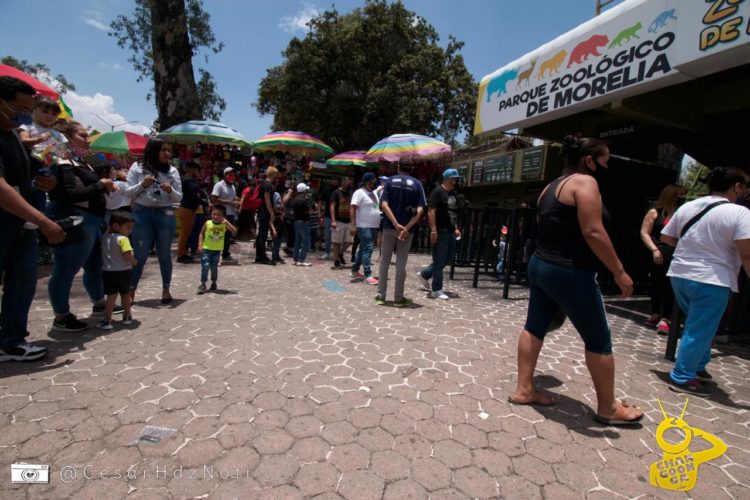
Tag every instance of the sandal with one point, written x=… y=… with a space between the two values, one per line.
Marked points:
x=535 y=401
x=617 y=419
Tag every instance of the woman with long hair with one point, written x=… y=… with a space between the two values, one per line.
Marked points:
x=572 y=245
x=79 y=192
x=662 y=298
x=156 y=187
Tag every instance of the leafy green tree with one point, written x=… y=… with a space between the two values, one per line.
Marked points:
x=40 y=72
x=356 y=78
x=691 y=176
x=163 y=37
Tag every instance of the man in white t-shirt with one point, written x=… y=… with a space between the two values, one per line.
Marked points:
x=225 y=194
x=365 y=221
x=704 y=270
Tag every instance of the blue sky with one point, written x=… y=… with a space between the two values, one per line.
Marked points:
x=71 y=38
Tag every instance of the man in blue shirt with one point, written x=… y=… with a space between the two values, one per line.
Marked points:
x=402 y=202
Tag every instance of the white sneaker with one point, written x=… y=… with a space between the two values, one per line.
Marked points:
x=425 y=283
x=304 y=264
x=439 y=295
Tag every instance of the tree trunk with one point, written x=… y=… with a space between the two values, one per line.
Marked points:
x=174 y=80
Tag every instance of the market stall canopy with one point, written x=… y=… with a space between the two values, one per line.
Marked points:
x=40 y=87
x=204 y=132
x=399 y=147
x=119 y=142
x=293 y=142
x=353 y=158
x=633 y=48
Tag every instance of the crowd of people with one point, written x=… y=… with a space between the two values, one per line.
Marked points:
x=107 y=222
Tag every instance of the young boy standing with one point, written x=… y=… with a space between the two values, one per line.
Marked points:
x=117 y=265
x=211 y=244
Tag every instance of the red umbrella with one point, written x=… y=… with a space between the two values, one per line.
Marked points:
x=38 y=86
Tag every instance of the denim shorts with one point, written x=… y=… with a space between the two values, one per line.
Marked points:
x=555 y=287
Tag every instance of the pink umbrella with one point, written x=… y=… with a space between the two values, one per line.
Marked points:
x=38 y=86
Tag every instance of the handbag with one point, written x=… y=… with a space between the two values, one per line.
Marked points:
x=73 y=228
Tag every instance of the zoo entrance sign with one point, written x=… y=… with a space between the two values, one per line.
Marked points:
x=635 y=47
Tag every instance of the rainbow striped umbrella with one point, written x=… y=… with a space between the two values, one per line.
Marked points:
x=202 y=131
x=119 y=142
x=296 y=142
x=407 y=147
x=355 y=158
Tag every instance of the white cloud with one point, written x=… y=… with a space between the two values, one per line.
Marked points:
x=86 y=107
x=97 y=24
x=111 y=66
x=298 y=22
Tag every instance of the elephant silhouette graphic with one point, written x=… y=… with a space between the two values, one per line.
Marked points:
x=552 y=64
x=499 y=83
x=587 y=48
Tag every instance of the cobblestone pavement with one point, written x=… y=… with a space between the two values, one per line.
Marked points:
x=283 y=387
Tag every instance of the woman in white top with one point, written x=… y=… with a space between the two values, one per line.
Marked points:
x=704 y=270
x=156 y=188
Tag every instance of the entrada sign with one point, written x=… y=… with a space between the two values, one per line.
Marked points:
x=637 y=46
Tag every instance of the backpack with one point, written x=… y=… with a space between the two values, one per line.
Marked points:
x=253 y=202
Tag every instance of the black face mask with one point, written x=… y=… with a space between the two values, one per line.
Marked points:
x=601 y=174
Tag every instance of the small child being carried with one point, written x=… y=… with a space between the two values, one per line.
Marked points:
x=117 y=265
x=211 y=244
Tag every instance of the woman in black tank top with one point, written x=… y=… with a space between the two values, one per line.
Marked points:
x=662 y=296
x=572 y=245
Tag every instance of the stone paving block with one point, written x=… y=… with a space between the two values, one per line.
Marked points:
x=431 y=474
x=350 y=457
x=475 y=482
x=495 y=463
x=361 y=485
x=338 y=432
x=452 y=454
x=276 y=470
x=517 y=487
x=317 y=478
x=412 y=446
x=404 y=489
x=272 y=442
x=389 y=465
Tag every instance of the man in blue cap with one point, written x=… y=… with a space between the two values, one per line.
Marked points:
x=442 y=219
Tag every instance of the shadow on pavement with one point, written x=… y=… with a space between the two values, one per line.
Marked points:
x=156 y=303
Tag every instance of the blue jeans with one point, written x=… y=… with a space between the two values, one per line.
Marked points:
x=18 y=263
x=704 y=305
x=210 y=260
x=367 y=237
x=301 y=240
x=153 y=225
x=442 y=254
x=192 y=242
x=69 y=259
x=327 y=235
x=554 y=287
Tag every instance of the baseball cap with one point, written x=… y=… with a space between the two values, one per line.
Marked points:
x=369 y=176
x=302 y=187
x=450 y=173
x=228 y=170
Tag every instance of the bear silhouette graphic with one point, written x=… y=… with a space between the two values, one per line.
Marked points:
x=626 y=34
x=498 y=83
x=587 y=48
x=661 y=20
x=552 y=64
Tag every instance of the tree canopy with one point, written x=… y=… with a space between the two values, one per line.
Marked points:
x=356 y=78
x=40 y=72
x=163 y=36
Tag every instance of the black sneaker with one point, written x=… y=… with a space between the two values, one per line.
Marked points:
x=69 y=324
x=213 y=287
x=279 y=261
x=266 y=262
x=201 y=289
x=98 y=310
x=22 y=352
x=185 y=259
x=336 y=264
x=127 y=319
x=703 y=375
x=691 y=387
